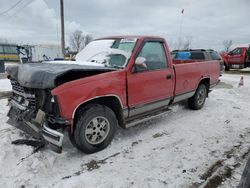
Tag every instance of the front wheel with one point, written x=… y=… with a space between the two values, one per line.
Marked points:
x=198 y=100
x=95 y=129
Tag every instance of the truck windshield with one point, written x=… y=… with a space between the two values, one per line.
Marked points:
x=110 y=52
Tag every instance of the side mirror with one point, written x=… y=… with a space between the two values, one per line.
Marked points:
x=140 y=62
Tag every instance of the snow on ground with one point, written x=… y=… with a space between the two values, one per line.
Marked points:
x=5 y=85
x=175 y=150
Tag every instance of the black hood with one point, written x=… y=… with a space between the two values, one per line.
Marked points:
x=46 y=75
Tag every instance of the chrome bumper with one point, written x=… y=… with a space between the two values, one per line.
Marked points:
x=52 y=136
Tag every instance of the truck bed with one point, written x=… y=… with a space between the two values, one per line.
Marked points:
x=188 y=75
x=179 y=61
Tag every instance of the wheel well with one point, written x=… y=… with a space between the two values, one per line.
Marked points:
x=110 y=101
x=206 y=82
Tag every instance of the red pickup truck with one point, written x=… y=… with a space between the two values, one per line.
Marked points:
x=237 y=58
x=116 y=81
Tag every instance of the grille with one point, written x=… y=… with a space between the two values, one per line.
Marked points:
x=22 y=95
x=17 y=87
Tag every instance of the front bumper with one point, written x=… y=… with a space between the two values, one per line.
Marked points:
x=52 y=136
x=19 y=117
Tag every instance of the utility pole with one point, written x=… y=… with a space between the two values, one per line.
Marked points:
x=62 y=28
x=180 y=32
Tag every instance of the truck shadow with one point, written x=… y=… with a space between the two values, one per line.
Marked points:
x=223 y=85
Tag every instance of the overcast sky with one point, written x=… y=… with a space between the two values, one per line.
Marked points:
x=207 y=22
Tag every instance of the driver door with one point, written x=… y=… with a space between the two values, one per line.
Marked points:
x=235 y=56
x=152 y=87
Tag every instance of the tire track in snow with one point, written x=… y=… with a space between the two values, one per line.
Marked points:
x=223 y=169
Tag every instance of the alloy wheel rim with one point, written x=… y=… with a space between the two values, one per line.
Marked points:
x=97 y=130
x=201 y=96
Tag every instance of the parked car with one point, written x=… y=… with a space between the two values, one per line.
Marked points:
x=193 y=55
x=135 y=81
x=237 y=58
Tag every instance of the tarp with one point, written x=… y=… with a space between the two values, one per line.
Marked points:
x=44 y=75
x=183 y=55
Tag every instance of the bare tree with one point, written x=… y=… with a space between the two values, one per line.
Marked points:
x=87 y=39
x=78 y=41
x=178 y=44
x=227 y=44
x=183 y=43
x=187 y=42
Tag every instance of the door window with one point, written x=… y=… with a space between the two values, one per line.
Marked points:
x=155 y=56
x=236 y=51
x=197 y=55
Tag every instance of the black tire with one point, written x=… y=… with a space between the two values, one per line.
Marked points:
x=245 y=179
x=245 y=64
x=226 y=67
x=77 y=117
x=198 y=100
x=101 y=123
x=72 y=139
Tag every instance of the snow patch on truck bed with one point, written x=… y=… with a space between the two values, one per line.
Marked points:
x=171 y=151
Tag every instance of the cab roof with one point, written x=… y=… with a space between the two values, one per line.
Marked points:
x=132 y=36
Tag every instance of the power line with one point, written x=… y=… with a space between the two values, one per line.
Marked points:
x=23 y=7
x=13 y=6
x=19 y=10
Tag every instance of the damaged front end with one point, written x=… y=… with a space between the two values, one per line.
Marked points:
x=32 y=107
x=35 y=111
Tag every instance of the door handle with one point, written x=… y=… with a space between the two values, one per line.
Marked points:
x=169 y=76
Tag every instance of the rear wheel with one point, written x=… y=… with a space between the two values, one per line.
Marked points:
x=198 y=100
x=226 y=67
x=246 y=64
x=95 y=129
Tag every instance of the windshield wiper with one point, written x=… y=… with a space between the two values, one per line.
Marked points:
x=115 y=66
